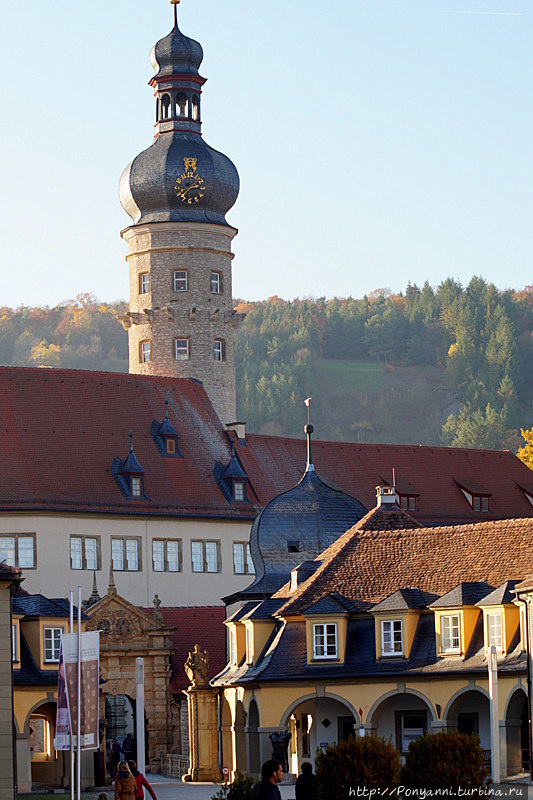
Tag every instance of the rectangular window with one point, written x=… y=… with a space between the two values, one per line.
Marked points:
x=145 y=351
x=18 y=550
x=52 y=641
x=450 y=638
x=391 y=637
x=233 y=647
x=410 y=726
x=14 y=648
x=249 y=644
x=494 y=622
x=136 y=487
x=523 y=626
x=126 y=554
x=216 y=282
x=144 y=282
x=85 y=552
x=205 y=556
x=219 y=350
x=325 y=640
x=166 y=555
x=238 y=491
x=171 y=447
x=242 y=559
x=408 y=502
x=181 y=280
x=181 y=349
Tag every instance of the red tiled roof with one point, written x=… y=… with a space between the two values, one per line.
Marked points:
x=275 y=464
x=367 y=566
x=203 y=625
x=61 y=429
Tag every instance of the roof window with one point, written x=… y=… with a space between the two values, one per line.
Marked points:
x=166 y=437
x=129 y=475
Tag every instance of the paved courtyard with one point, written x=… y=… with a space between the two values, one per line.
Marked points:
x=170 y=789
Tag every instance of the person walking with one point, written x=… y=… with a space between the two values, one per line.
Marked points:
x=271 y=775
x=128 y=747
x=125 y=784
x=140 y=781
x=114 y=757
x=306 y=783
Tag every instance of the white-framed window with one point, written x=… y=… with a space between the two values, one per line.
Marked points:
x=233 y=646
x=145 y=351
x=180 y=280
x=523 y=627
x=494 y=625
x=249 y=644
x=126 y=554
x=450 y=634
x=18 y=550
x=166 y=555
x=85 y=552
x=325 y=640
x=136 y=486
x=219 y=350
x=239 y=494
x=242 y=559
x=52 y=642
x=181 y=349
x=205 y=556
x=144 y=282
x=216 y=282
x=14 y=643
x=391 y=637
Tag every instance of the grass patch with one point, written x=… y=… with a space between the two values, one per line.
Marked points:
x=342 y=375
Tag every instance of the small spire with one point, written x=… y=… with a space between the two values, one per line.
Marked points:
x=175 y=3
x=131 y=441
x=308 y=429
x=166 y=409
x=95 y=597
x=111 y=589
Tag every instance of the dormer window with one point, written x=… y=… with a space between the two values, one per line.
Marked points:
x=478 y=499
x=232 y=479
x=391 y=637
x=129 y=475
x=450 y=634
x=171 y=447
x=325 y=640
x=293 y=546
x=409 y=502
x=136 y=486
x=166 y=436
x=239 y=494
x=494 y=625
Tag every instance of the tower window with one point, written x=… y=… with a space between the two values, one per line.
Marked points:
x=181 y=281
x=144 y=282
x=182 y=105
x=219 y=350
x=195 y=108
x=145 y=352
x=165 y=107
x=216 y=282
x=182 y=351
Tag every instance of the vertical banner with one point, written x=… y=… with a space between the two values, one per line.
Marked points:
x=90 y=681
x=62 y=739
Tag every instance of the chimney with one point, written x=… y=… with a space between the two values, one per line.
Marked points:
x=386 y=497
x=239 y=428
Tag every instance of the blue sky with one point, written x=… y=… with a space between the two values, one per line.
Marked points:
x=378 y=141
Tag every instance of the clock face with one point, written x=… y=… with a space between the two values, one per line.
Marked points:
x=189 y=186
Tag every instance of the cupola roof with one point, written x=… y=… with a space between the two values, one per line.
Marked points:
x=176 y=54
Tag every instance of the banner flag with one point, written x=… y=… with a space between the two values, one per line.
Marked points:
x=62 y=738
x=90 y=682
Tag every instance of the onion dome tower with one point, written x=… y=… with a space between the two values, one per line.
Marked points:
x=177 y=192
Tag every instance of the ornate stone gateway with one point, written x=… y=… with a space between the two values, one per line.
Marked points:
x=203 y=719
x=127 y=633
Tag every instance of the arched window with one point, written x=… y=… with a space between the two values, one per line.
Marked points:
x=165 y=107
x=182 y=105
x=195 y=107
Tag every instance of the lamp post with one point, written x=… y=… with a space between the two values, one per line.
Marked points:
x=494 y=716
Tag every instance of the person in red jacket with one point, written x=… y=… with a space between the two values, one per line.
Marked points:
x=141 y=781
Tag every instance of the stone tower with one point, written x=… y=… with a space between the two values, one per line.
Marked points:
x=181 y=319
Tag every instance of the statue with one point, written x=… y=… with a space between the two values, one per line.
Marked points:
x=280 y=744
x=158 y=614
x=197 y=666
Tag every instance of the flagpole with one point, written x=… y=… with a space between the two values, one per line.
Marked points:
x=71 y=631
x=78 y=776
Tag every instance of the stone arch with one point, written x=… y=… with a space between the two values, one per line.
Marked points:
x=288 y=711
x=458 y=694
x=240 y=737
x=517 y=731
x=468 y=712
x=42 y=702
x=401 y=717
x=254 y=757
x=226 y=724
x=395 y=693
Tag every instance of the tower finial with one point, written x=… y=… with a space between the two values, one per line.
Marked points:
x=308 y=431
x=175 y=3
x=111 y=589
x=131 y=441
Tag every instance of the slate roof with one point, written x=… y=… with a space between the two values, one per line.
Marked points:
x=468 y=593
x=29 y=673
x=368 y=566
x=86 y=417
x=37 y=605
x=404 y=599
x=201 y=625
x=503 y=595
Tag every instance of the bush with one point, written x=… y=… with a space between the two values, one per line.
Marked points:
x=242 y=788
x=444 y=760
x=357 y=761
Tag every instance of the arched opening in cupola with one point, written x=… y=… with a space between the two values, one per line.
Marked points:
x=195 y=107
x=182 y=105
x=165 y=106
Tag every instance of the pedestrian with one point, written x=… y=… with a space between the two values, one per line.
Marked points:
x=271 y=775
x=128 y=747
x=306 y=783
x=125 y=784
x=114 y=757
x=103 y=796
x=141 y=781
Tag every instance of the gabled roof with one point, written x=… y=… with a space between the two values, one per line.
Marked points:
x=468 y=593
x=327 y=605
x=404 y=599
x=368 y=566
x=29 y=674
x=503 y=595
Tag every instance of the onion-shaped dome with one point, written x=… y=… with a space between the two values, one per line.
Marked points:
x=176 y=54
x=158 y=187
x=295 y=527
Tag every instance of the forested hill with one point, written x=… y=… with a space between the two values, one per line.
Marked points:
x=450 y=365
